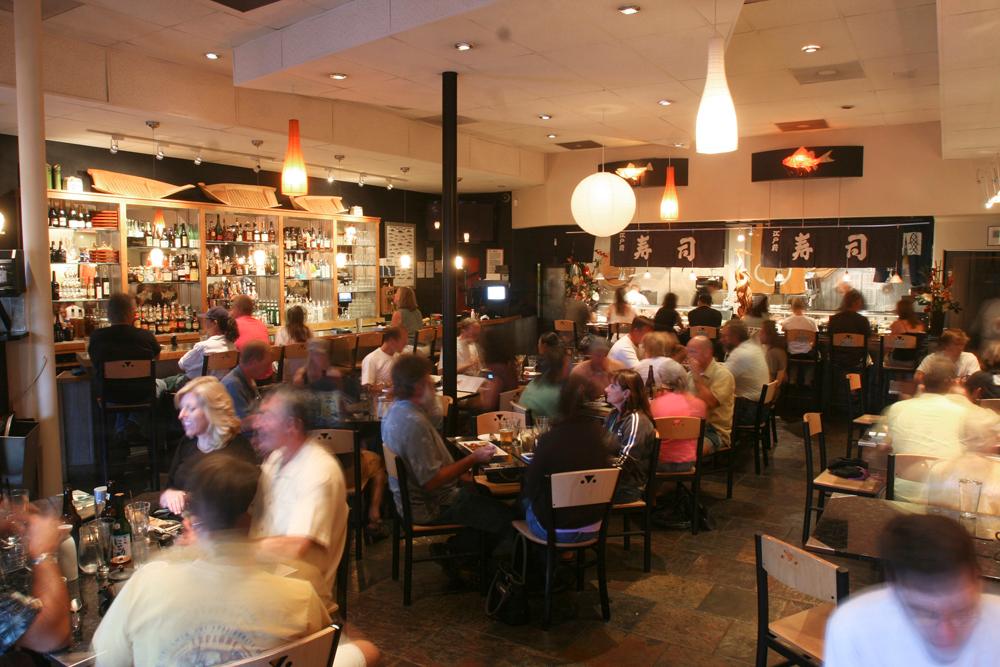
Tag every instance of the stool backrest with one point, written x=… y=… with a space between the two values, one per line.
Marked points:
x=129 y=369
x=565 y=326
x=217 y=362
x=337 y=441
x=706 y=331
x=899 y=342
x=800 y=336
x=368 y=342
x=849 y=340
x=771 y=392
x=583 y=487
x=507 y=398
x=854 y=381
x=317 y=649
x=489 y=422
x=426 y=335
x=342 y=349
x=293 y=358
x=800 y=570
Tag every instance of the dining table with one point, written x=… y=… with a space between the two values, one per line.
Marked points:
x=851 y=526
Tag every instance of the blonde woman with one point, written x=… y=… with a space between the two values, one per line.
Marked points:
x=407 y=313
x=211 y=427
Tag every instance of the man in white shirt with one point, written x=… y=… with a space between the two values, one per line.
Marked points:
x=301 y=507
x=467 y=348
x=799 y=321
x=932 y=612
x=951 y=347
x=216 y=601
x=626 y=349
x=376 y=367
x=636 y=298
x=747 y=363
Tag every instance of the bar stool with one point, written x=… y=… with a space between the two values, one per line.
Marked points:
x=368 y=342
x=343 y=352
x=132 y=378
x=900 y=359
x=424 y=338
x=804 y=362
x=293 y=357
x=847 y=353
x=219 y=363
x=567 y=331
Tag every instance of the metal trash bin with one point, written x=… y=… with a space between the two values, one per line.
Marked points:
x=19 y=451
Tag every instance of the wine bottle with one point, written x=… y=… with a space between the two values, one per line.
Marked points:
x=185 y=243
x=53 y=217
x=63 y=221
x=107 y=284
x=55 y=287
x=69 y=514
x=121 y=534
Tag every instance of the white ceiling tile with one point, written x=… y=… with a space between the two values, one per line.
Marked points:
x=909 y=99
x=439 y=38
x=540 y=27
x=683 y=56
x=776 y=13
x=156 y=11
x=99 y=25
x=905 y=71
x=855 y=7
x=973 y=39
x=282 y=14
x=833 y=36
x=224 y=27
x=612 y=64
x=894 y=32
x=911 y=116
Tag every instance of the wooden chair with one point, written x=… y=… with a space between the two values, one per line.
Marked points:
x=346 y=444
x=847 y=353
x=136 y=379
x=708 y=332
x=524 y=411
x=825 y=482
x=447 y=404
x=991 y=403
x=911 y=468
x=489 y=422
x=319 y=648
x=567 y=332
x=804 y=364
x=643 y=506
x=618 y=329
x=424 y=341
x=760 y=430
x=343 y=352
x=566 y=491
x=507 y=398
x=436 y=345
x=685 y=428
x=369 y=341
x=860 y=420
x=900 y=358
x=404 y=528
x=219 y=363
x=293 y=357
x=799 y=637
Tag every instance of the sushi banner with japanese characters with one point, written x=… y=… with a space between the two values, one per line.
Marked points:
x=678 y=247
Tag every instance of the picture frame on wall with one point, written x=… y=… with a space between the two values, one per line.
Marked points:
x=993 y=235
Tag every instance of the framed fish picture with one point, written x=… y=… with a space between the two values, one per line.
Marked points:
x=993 y=235
x=808 y=162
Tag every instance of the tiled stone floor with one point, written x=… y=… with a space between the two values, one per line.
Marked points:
x=697 y=606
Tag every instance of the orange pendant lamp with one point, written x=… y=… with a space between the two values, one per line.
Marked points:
x=294 y=179
x=669 y=206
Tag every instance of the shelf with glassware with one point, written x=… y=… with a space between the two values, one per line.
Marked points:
x=84 y=249
x=163 y=270
x=357 y=269
x=308 y=249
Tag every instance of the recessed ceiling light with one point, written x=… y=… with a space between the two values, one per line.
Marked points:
x=664 y=103
x=463 y=46
x=338 y=76
x=550 y=136
x=846 y=107
x=545 y=116
x=811 y=48
x=628 y=10
x=826 y=72
x=212 y=55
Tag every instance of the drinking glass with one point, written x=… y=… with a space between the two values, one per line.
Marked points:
x=968 y=497
x=104 y=536
x=91 y=555
x=137 y=514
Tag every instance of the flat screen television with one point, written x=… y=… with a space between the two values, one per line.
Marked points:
x=344 y=297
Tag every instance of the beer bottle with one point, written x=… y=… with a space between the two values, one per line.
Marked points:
x=121 y=534
x=69 y=514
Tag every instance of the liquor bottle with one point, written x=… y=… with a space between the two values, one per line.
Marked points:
x=209 y=230
x=185 y=242
x=256 y=233
x=88 y=221
x=220 y=234
x=148 y=238
x=271 y=237
x=63 y=221
x=194 y=275
x=61 y=253
x=52 y=252
x=107 y=284
x=53 y=217
x=175 y=235
x=121 y=534
x=98 y=287
x=69 y=514
x=55 y=287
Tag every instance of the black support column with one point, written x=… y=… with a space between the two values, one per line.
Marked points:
x=449 y=227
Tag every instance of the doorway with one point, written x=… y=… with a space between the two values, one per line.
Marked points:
x=977 y=283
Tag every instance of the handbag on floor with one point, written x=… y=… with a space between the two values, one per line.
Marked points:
x=507 y=599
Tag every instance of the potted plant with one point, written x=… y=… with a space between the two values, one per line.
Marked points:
x=937 y=300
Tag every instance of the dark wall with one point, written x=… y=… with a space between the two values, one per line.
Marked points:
x=548 y=246
x=396 y=205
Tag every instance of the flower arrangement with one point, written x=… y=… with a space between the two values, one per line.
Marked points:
x=579 y=279
x=937 y=298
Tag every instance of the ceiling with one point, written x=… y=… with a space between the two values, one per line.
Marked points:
x=598 y=73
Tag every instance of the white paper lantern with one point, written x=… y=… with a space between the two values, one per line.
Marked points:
x=603 y=204
x=715 y=127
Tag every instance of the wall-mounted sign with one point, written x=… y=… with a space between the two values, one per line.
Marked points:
x=674 y=247
x=823 y=244
x=649 y=172
x=808 y=162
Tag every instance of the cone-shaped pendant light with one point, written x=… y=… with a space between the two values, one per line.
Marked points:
x=294 y=180
x=715 y=127
x=669 y=206
x=159 y=221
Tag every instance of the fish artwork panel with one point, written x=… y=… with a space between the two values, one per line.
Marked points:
x=805 y=161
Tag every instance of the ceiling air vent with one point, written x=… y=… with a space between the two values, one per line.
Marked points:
x=245 y=5
x=579 y=145
x=824 y=73
x=799 y=125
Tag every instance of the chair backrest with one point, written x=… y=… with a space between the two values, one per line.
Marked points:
x=395 y=468
x=367 y=342
x=914 y=467
x=854 y=381
x=565 y=326
x=770 y=393
x=583 y=487
x=335 y=440
x=813 y=421
x=317 y=649
x=618 y=329
x=848 y=340
x=293 y=358
x=426 y=335
x=904 y=388
x=507 y=398
x=277 y=353
x=128 y=369
x=899 y=342
x=446 y=402
x=342 y=349
x=800 y=570
x=683 y=428
x=489 y=422
x=991 y=403
x=219 y=361
x=800 y=336
x=812 y=427
x=706 y=331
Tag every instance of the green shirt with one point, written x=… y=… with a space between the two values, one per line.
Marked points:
x=541 y=397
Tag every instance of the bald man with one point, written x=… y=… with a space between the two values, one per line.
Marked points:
x=713 y=383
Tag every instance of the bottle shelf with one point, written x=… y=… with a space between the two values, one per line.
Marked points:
x=166 y=282
x=222 y=243
x=154 y=247
x=75 y=300
x=84 y=263
x=251 y=275
x=86 y=230
x=310 y=280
